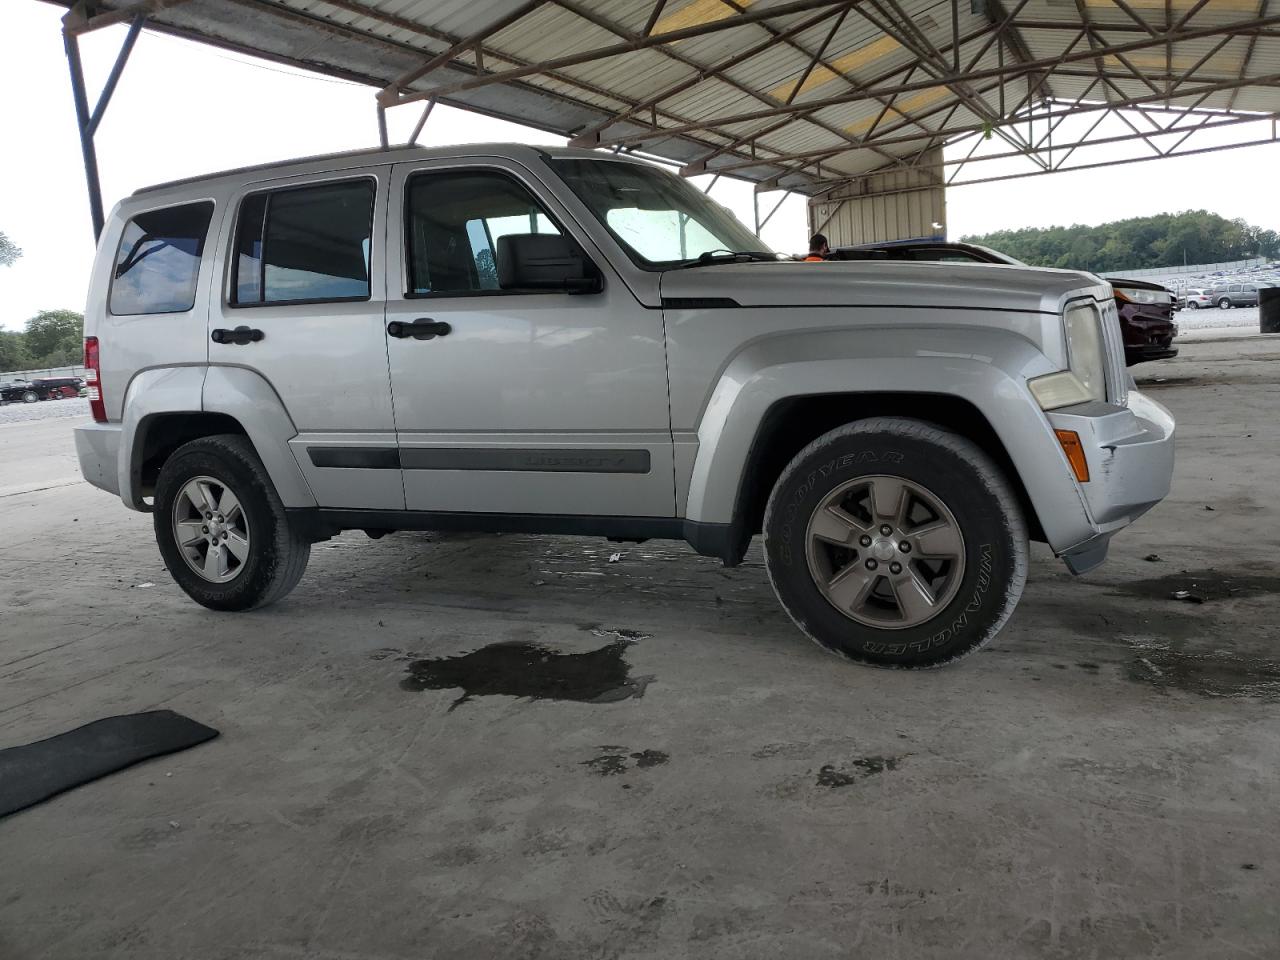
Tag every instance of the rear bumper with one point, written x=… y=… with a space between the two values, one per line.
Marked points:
x=98 y=449
x=1130 y=457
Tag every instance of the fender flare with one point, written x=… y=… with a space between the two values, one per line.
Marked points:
x=989 y=371
x=240 y=394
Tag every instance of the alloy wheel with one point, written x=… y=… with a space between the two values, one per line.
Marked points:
x=211 y=529
x=885 y=551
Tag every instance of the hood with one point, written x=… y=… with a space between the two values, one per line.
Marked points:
x=884 y=283
x=1136 y=284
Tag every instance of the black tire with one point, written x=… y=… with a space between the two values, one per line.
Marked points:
x=277 y=553
x=1224 y=303
x=30 y=397
x=960 y=475
x=1193 y=305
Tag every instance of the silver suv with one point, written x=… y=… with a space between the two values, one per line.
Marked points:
x=503 y=338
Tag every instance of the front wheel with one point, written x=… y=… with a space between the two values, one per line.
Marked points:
x=221 y=528
x=1193 y=305
x=896 y=543
x=1224 y=304
x=30 y=397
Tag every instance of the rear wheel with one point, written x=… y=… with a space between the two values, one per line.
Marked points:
x=896 y=543
x=1193 y=305
x=221 y=528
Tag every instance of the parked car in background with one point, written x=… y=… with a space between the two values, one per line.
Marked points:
x=57 y=388
x=19 y=391
x=1194 y=298
x=1234 y=295
x=1145 y=309
x=42 y=388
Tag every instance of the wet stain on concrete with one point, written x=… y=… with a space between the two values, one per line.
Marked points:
x=532 y=671
x=857 y=769
x=1206 y=584
x=615 y=760
x=1157 y=383
x=1211 y=674
x=614 y=633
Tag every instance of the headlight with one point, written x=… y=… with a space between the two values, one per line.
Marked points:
x=1085 y=378
x=1138 y=295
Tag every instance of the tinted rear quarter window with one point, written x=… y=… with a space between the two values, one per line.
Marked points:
x=158 y=260
x=304 y=244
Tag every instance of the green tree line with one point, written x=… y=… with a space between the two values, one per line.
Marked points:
x=52 y=338
x=1165 y=240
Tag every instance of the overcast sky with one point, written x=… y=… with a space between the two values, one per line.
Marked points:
x=183 y=109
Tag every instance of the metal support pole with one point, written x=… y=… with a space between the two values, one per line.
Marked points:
x=72 y=46
x=422 y=122
x=776 y=207
x=755 y=207
x=108 y=88
x=707 y=188
x=382 y=127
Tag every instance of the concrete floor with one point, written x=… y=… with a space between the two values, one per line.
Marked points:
x=1101 y=782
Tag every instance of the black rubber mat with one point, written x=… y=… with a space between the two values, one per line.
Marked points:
x=37 y=771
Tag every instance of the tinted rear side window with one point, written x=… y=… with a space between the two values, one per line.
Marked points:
x=158 y=260
x=304 y=244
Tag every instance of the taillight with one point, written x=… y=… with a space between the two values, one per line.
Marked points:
x=92 y=366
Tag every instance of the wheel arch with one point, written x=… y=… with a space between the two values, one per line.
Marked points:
x=165 y=408
x=792 y=423
x=762 y=413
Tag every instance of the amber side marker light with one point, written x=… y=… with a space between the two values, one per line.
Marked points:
x=1074 y=450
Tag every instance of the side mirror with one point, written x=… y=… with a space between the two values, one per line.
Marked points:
x=544 y=261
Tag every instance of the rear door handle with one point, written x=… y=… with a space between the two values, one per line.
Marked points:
x=239 y=336
x=424 y=328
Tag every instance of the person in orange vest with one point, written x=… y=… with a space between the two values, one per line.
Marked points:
x=818 y=249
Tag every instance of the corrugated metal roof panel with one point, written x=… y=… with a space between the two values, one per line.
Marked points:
x=836 y=87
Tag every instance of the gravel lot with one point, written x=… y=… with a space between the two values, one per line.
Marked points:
x=1217 y=319
x=44 y=410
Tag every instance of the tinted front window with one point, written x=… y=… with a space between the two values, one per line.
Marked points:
x=304 y=243
x=158 y=260
x=659 y=218
x=453 y=222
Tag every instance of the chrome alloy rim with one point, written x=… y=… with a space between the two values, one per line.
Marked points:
x=211 y=530
x=885 y=551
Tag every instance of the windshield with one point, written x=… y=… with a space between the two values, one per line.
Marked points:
x=660 y=219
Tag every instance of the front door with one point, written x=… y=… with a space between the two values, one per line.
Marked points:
x=306 y=271
x=533 y=402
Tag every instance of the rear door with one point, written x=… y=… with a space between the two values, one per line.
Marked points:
x=535 y=402
x=305 y=270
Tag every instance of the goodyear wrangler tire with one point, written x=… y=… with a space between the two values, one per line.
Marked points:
x=896 y=543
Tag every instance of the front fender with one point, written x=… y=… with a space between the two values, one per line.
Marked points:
x=987 y=368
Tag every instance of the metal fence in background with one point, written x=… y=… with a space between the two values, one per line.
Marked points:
x=1178 y=277
x=11 y=375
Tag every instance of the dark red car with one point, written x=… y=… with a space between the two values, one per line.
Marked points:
x=1146 y=309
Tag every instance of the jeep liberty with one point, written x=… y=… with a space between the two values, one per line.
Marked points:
x=507 y=338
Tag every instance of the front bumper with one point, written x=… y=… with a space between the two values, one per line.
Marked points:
x=1130 y=455
x=98 y=449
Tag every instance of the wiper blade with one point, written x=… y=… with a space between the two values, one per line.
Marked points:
x=728 y=256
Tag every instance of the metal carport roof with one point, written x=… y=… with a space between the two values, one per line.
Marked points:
x=794 y=94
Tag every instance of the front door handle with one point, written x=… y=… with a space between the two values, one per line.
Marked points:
x=239 y=336
x=424 y=328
